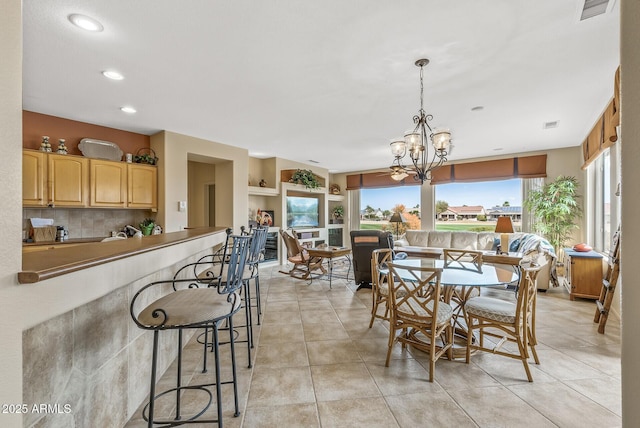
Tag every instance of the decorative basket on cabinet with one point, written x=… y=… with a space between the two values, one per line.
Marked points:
x=146 y=155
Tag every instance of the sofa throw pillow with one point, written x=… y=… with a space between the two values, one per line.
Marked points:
x=401 y=243
x=496 y=242
x=513 y=245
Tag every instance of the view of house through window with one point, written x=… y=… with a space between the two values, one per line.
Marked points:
x=476 y=206
x=459 y=206
x=378 y=205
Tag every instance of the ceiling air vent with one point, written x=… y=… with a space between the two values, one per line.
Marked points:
x=549 y=125
x=593 y=8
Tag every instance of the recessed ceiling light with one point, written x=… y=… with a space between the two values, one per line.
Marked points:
x=313 y=161
x=128 y=109
x=549 y=125
x=498 y=149
x=477 y=108
x=113 y=75
x=85 y=22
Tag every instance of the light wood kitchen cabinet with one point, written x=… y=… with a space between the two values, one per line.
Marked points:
x=108 y=182
x=33 y=179
x=142 y=186
x=68 y=180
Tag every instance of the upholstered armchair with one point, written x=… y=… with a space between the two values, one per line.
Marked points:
x=363 y=242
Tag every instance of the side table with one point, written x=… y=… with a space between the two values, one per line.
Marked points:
x=583 y=276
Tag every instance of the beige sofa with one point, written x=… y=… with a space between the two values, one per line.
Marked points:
x=533 y=247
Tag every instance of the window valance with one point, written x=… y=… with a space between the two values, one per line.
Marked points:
x=603 y=134
x=500 y=169
x=372 y=180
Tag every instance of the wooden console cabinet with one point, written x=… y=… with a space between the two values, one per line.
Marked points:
x=583 y=274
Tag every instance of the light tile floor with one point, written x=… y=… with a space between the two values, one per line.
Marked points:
x=317 y=364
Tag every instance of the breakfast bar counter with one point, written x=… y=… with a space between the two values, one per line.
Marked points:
x=40 y=265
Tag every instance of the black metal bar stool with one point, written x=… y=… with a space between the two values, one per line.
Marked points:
x=195 y=304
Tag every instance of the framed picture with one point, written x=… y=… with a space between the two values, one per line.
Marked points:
x=266 y=217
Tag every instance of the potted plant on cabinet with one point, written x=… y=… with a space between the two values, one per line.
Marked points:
x=306 y=177
x=147 y=225
x=338 y=214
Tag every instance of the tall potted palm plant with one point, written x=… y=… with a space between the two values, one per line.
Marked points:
x=555 y=209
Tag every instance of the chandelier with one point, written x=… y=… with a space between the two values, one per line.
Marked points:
x=417 y=144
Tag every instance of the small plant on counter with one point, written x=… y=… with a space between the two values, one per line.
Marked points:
x=147 y=226
x=306 y=177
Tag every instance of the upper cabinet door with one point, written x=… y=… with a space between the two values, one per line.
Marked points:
x=33 y=179
x=68 y=180
x=143 y=186
x=108 y=183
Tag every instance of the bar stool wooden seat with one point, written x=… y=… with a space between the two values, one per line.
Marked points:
x=194 y=305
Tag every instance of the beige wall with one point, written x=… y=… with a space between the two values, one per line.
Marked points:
x=11 y=196
x=230 y=178
x=630 y=84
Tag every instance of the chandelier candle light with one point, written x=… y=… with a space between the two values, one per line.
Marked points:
x=417 y=143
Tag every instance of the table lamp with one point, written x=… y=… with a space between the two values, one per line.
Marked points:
x=504 y=227
x=397 y=218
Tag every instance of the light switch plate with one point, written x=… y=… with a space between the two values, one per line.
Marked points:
x=182 y=206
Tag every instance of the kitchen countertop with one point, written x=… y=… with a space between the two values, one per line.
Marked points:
x=68 y=241
x=40 y=265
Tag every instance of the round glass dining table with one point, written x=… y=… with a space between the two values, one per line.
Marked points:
x=460 y=281
x=463 y=274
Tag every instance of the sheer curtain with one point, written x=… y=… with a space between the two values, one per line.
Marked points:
x=353 y=197
x=529 y=185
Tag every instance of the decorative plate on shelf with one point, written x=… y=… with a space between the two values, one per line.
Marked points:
x=99 y=149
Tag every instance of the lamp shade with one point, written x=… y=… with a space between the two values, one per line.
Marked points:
x=397 y=218
x=504 y=225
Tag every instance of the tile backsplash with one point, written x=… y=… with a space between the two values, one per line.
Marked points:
x=86 y=223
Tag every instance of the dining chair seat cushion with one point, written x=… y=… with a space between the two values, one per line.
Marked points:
x=415 y=312
x=383 y=289
x=491 y=308
x=188 y=307
x=461 y=290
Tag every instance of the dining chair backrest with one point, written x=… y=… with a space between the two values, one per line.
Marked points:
x=525 y=305
x=415 y=293
x=236 y=258
x=379 y=259
x=454 y=256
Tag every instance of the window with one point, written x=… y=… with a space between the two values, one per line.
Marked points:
x=377 y=206
x=476 y=206
x=602 y=201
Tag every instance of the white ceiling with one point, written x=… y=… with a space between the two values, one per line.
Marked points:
x=332 y=80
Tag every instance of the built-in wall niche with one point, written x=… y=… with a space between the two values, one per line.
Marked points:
x=262 y=173
x=261 y=204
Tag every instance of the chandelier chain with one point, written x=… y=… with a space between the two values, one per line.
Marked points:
x=421 y=91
